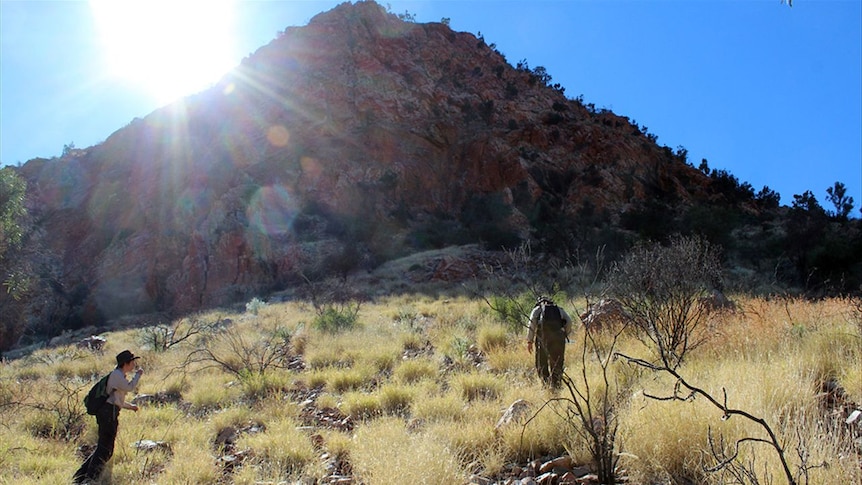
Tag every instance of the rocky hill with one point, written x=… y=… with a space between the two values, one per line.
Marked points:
x=338 y=146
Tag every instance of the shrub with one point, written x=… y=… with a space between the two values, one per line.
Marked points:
x=161 y=337
x=513 y=311
x=255 y=305
x=239 y=352
x=333 y=320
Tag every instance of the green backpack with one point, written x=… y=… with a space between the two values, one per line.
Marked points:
x=98 y=396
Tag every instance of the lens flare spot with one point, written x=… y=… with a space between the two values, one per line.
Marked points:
x=229 y=89
x=310 y=167
x=278 y=136
x=271 y=211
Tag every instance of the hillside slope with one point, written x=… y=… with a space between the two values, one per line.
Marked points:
x=338 y=146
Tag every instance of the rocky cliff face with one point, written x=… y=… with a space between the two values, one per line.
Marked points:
x=354 y=139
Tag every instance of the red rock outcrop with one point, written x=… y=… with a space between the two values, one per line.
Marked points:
x=326 y=148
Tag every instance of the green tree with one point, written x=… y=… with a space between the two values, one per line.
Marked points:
x=807 y=203
x=12 y=214
x=768 y=198
x=12 y=210
x=842 y=202
x=68 y=149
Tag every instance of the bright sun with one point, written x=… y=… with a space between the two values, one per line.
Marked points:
x=170 y=48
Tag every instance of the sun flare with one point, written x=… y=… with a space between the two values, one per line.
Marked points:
x=169 y=48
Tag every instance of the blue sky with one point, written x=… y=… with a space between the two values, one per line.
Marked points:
x=773 y=94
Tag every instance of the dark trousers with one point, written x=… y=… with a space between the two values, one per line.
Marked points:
x=107 y=417
x=550 y=353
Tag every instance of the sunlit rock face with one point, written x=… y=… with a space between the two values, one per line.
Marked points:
x=341 y=144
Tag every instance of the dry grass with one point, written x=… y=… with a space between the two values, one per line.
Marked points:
x=411 y=405
x=385 y=446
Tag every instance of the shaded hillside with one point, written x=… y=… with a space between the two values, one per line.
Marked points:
x=340 y=145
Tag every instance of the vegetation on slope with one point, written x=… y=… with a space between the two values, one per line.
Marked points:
x=411 y=392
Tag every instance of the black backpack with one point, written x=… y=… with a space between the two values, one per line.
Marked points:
x=551 y=316
x=98 y=396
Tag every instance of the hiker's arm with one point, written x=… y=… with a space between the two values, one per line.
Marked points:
x=531 y=332
x=124 y=385
x=566 y=318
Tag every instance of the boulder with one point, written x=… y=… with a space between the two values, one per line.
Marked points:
x=604 y=314
x=516 y=412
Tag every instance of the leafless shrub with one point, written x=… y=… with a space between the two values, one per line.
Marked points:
x=243 y=354
x=510 y=285
x=61 y=409
x=659 y=286
x=336 y=303
x=162 y=337
x=591 y=406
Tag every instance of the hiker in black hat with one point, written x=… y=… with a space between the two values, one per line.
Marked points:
x=107 y=415
x=549 y=329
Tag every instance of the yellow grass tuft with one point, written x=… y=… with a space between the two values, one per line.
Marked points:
x=414 y=370
x=282 y=450
x=492 y=337
x=192 y=463
x=340 y=380
x=448 y=407
x=361 y=405
x=211 y=390
x=382 y=444
x=396 y=398
x=476 y=385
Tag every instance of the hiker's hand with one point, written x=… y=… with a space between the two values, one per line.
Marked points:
x=139 y=371
x=134 y=407
x=529 y=346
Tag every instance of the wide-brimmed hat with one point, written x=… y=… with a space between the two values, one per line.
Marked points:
x=125 y=357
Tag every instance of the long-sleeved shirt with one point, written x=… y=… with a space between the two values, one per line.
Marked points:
x=536 y=314
x=118 y=387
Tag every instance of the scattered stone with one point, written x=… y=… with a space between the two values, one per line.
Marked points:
x=591 y=479
x=156 y=399
x=514 y=413
x=93 y=342
x=562 y=463
x=568 y=478
x=547 y=478
x=479 y=480
x=229 y=461
x=150 y=445
x=227 y=436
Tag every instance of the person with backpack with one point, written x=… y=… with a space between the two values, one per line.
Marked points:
x=549 y=329
x=107 y=415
